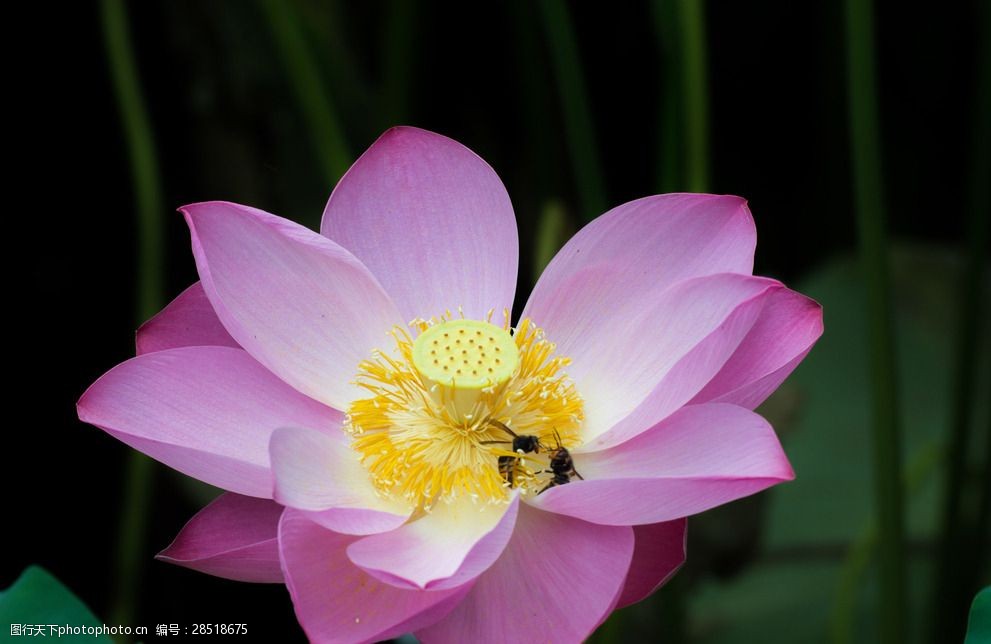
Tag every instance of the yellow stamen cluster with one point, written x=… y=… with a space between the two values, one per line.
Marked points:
x=426 y=434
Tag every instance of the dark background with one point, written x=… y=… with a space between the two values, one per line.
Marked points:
x=227 y=125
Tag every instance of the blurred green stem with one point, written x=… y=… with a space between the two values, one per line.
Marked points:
x=869 y=203
x=551 y=234
x=574 y=106
x=541 y=168
x=314 y=99
x=683 y=163
x=960 y=553
x=144 y=164
x=133 y=525
x=851 y=578
x=669 y=157
x=982 y=526
x=397 y=50
x=694 y=92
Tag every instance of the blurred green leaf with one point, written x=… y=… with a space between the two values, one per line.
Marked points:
x=979 y=626
x=769 y=604
x=812 y=522
x=829 y=442
x=39 y=598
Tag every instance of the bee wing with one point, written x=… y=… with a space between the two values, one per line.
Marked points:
x=502 y=426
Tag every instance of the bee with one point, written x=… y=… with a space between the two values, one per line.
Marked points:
x=562 y=466
x=521 y=443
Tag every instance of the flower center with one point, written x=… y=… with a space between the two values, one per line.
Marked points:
x=467 y=409
x=460 y=360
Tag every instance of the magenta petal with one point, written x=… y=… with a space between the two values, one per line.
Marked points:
x=432 y=221
x=556 y=581
x=699 y=457
x=188 y=321
x=654 y=242
x=235 y=537
x=336 y=601
x=788 y=326
x=320 y=474
x=300 y=304
x=205 y=411
x=444 y=549
x=658 y=554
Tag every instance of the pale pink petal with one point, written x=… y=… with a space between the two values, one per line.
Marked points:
x=657 y=556
x=699 y=457
x=622 y=348
x=235 y=537
x=300 y=304
x=188 y=321
x=556 y=581
x=451 y=545
x=322 y=475
x=205 y=411
x=652 y=243
x=432 y=221
x=356 y=521
x=336 y=601
x=788 y=326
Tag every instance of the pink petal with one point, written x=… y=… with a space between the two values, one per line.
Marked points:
x=444 y=549
x=622 y=348
x=432 y=221
x=788 y=326
x=300 y=304
x=556 y=581
x=699 y=457
x=652 y=243
x=235 y=537
x=205 y=411
x=336 y=601
x=658 y=554
x=188 y=321
x=710 y=316
x=322 y=475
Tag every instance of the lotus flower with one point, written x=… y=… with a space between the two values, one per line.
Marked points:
x=402 y=456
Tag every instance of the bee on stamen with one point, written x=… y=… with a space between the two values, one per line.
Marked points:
x=522 y=444
x=562 y=466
